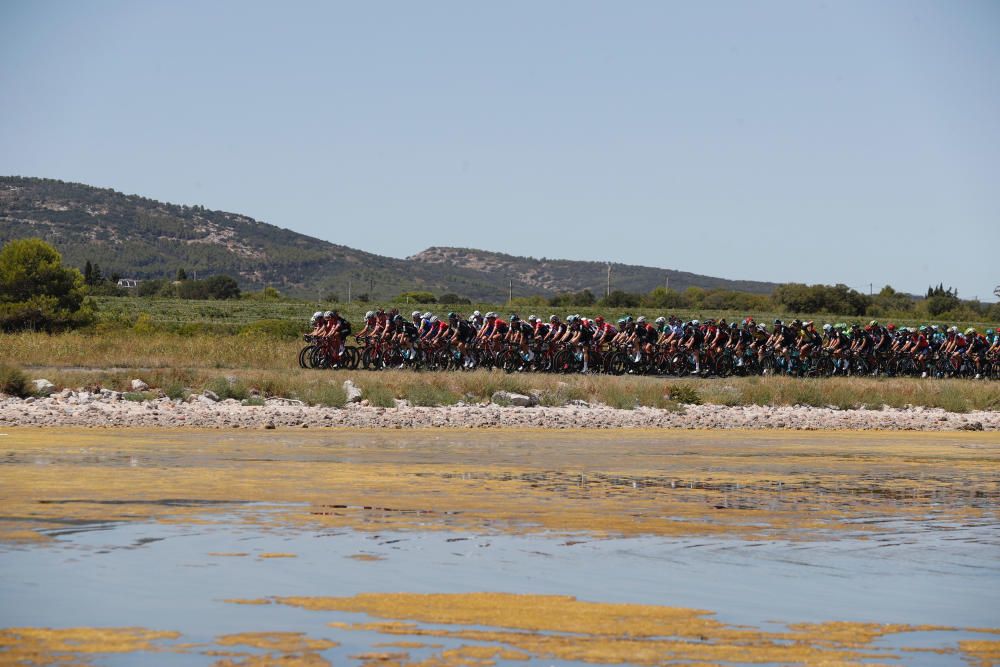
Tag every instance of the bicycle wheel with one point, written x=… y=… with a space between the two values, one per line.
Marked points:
x=304 y=353
x=724 y=366
x=616 y=364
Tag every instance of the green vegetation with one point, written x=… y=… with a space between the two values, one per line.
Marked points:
x=13 y=381
x=37 y=292
x=416 y=297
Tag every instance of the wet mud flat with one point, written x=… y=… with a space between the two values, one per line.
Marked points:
x=444 y=548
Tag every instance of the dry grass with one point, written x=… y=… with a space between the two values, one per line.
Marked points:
x=232 y=366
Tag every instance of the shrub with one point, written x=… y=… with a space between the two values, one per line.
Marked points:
x=330 y=395
x=13 y=382
x=683 y=393
x=176 y=390
x=429 y=395
x=228 y=388
x=378 y=395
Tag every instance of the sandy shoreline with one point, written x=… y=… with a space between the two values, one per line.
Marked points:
x=107 y=408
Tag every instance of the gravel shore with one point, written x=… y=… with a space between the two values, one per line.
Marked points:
x=106 y=408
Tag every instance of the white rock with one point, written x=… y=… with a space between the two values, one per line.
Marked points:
x=210 y=395
x=353 y=392
x=43 y=387
x=510 y=398
x=139 y=385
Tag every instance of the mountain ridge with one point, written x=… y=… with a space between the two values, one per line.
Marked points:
x=144 y=238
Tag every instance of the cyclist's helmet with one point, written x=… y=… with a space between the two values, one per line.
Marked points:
x=796 y=322
x=827 y=327
x=628 y=319
x=452 y=315
x=748 y=320
x=426 y=316
x=661 y=320
x=922 y=328
x=989 y=332
x=621 y=321
x=891 y=326
x=599 y=319
x=397 y=318
x=514 y=317
x=777 y=322
x=318 y=314
x=553 y=318
x=734 y=325
x=761 y=328
x=873 y=323
x=491 y=315
x=434 y=319
x=415 y=313
x=328 y=314
x=532 y=318
x=970 y=331
x=641 y=320
x=953 y=330
x=695 y=323
x=476 y=313
x=370 y=314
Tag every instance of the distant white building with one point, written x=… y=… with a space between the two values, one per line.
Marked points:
x=128 y=283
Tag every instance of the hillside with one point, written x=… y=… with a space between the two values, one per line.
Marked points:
x=562 y=275
x=142 y=238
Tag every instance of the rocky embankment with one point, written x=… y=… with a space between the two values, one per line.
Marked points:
x=104 y=408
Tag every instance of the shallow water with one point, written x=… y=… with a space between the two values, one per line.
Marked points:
x=892 y=531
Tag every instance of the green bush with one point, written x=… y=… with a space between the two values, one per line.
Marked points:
x=228 y=388
x=330 y=395
x=13 y=382
x=428 y=395
x=378 y=395
x=176 y=390
x=683 y=393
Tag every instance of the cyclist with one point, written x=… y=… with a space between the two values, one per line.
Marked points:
x=580 y=339
x=975 y=349
x=520 y=335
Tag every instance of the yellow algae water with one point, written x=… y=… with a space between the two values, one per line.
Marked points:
x=444 y=549
x=750 y=484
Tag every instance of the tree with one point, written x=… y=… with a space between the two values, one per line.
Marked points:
x=182 y=274
x=221 y=287
x=36 y=291
x=620 y=299
x=583 y=298
x=416 y=297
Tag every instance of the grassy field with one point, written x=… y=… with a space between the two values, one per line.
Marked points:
x=231 y=316
x=234 y=365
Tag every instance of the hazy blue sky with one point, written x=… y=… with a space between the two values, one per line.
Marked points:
x=849 y=142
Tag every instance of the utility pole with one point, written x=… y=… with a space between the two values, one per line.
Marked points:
x=510 y=291
x=667 y=285
x=607 y=292
x=871 y=289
